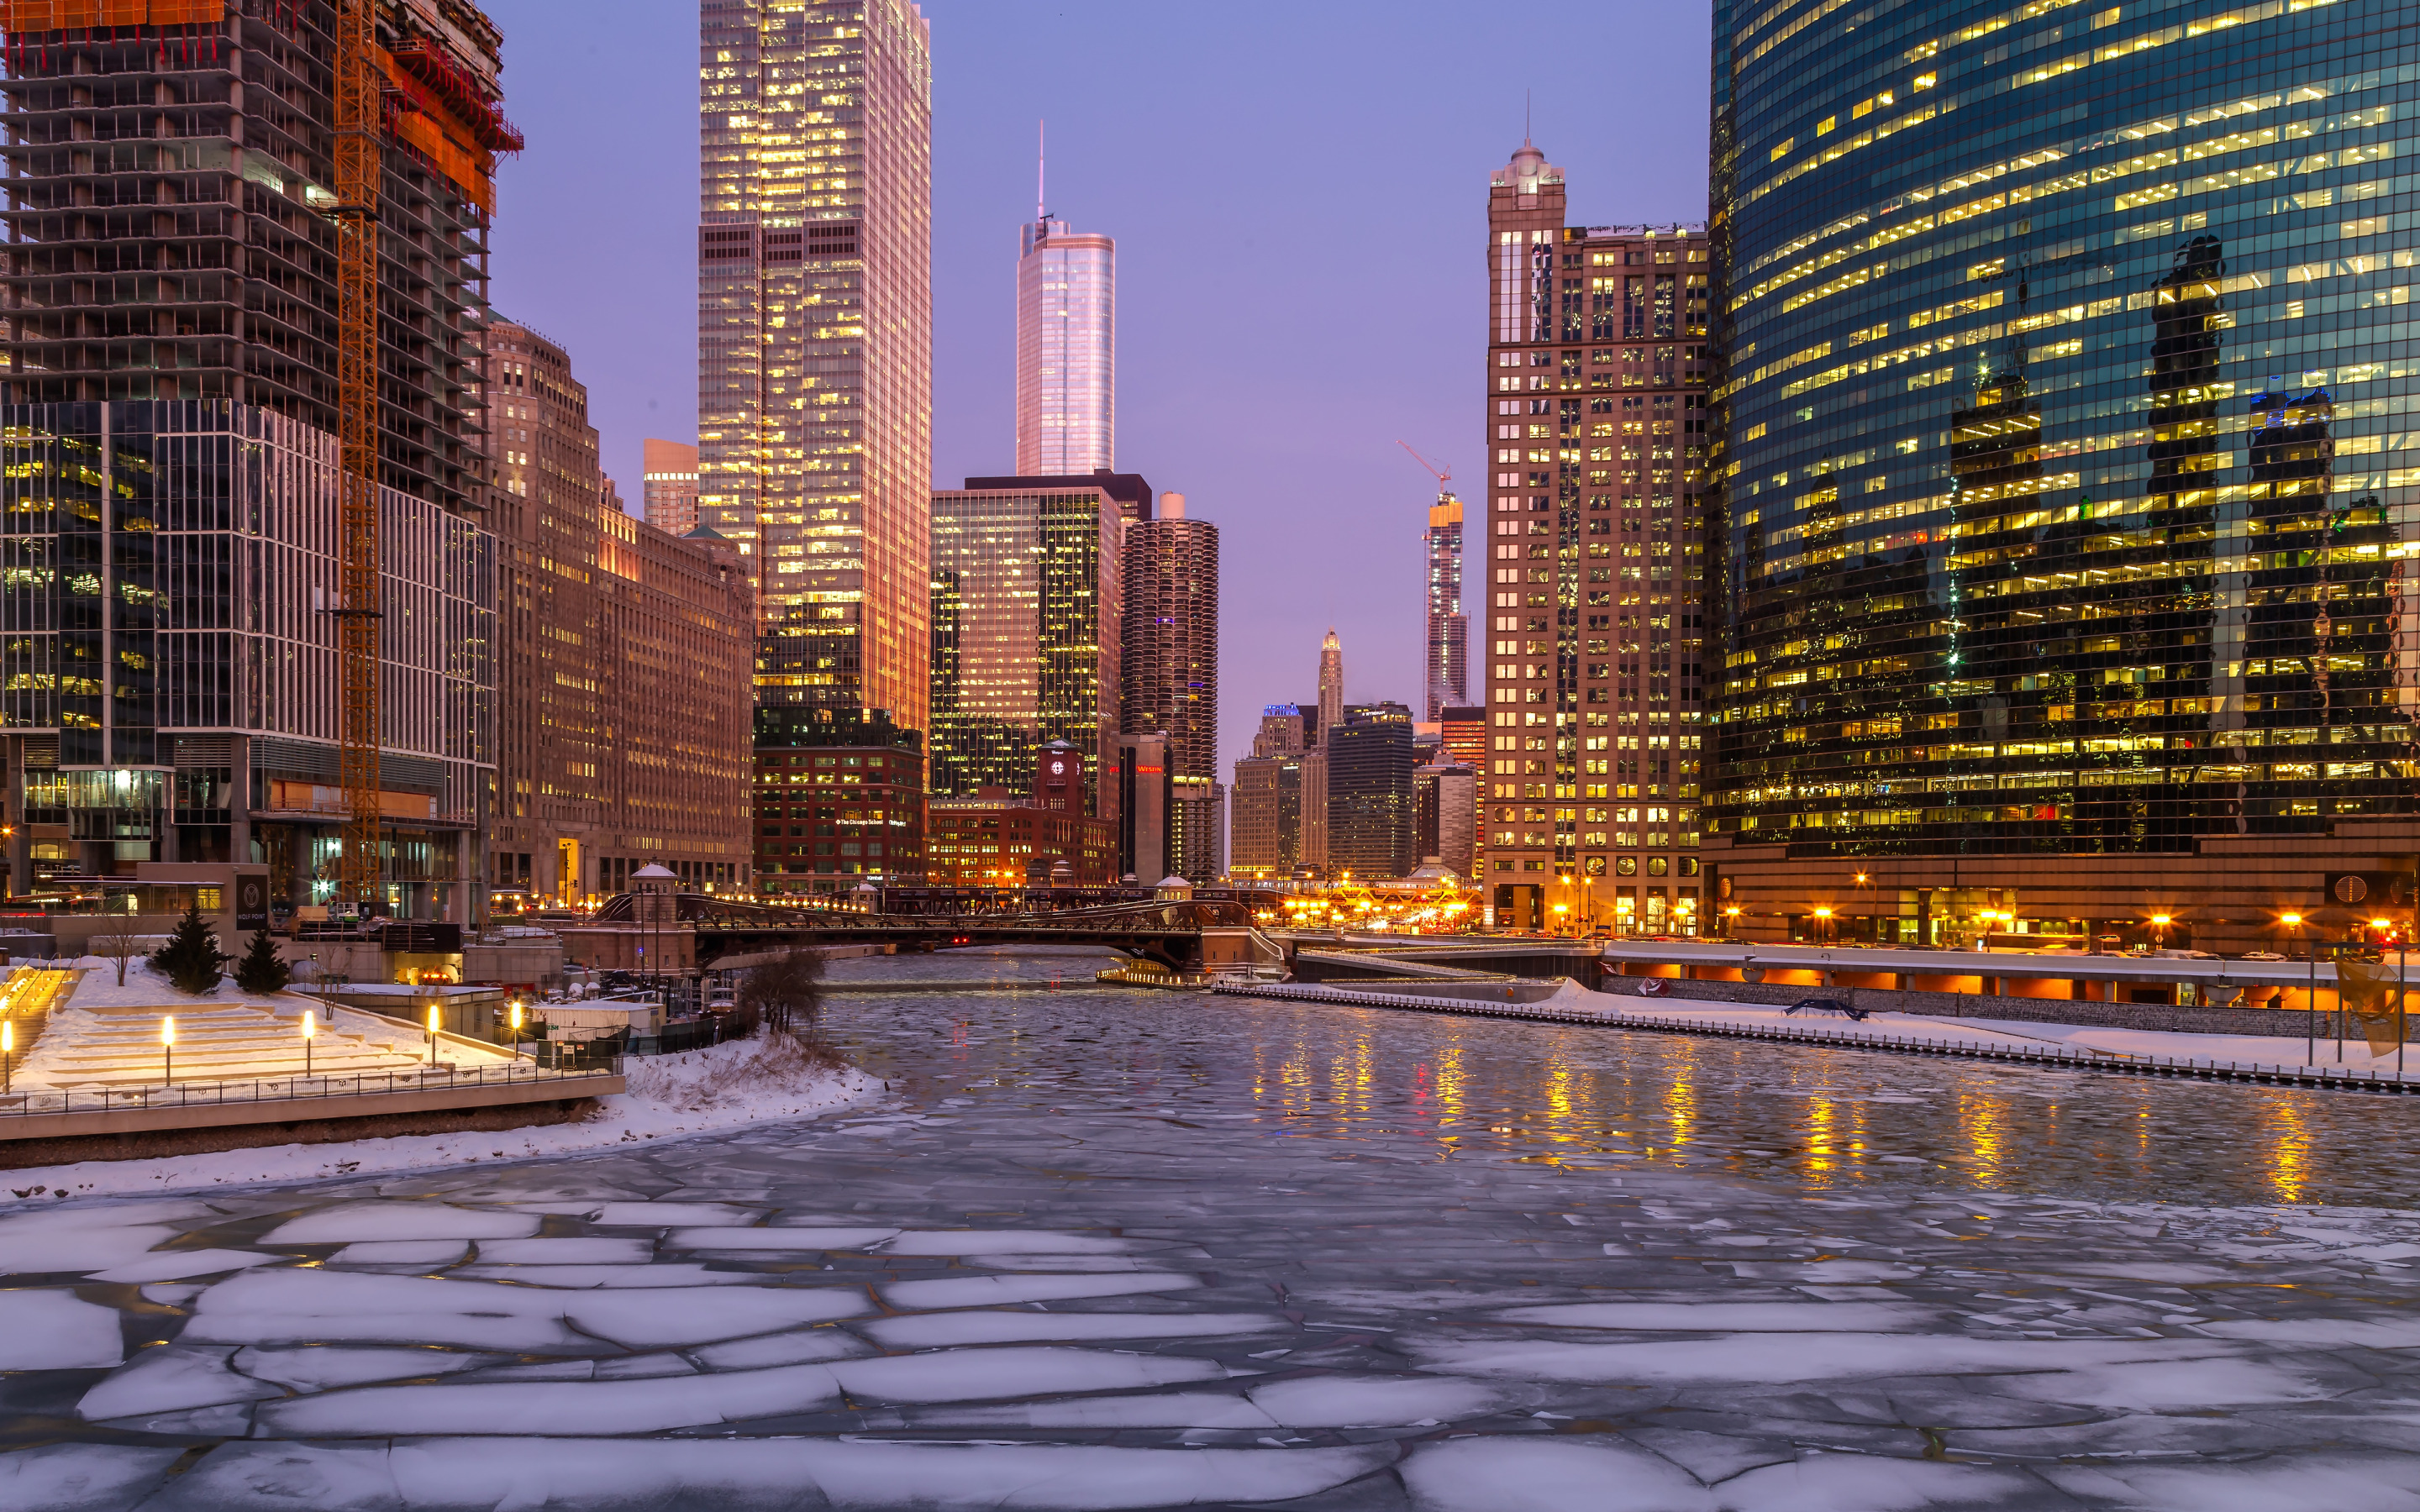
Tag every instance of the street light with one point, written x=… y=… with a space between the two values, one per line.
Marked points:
x=168 y=1048
x=432 y=1034
x=2310 y=994
x=310 y=1027
x=8 y=1057
x=2159 y=929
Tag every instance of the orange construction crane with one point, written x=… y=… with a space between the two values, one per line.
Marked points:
x=360 y=167
x=1443 y=475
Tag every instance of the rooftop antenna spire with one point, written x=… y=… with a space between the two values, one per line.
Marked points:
x=1041 y=165
x=1525 y=116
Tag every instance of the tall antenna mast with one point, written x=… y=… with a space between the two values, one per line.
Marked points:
x=1041 y=165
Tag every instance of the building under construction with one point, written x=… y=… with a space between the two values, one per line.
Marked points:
x=173 y=511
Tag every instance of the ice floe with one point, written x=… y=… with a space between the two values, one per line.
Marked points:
x=607 y=1275
x=480 y=1475
x=306 y=1306
x=997 y=1290
x=1501 y=1475
x=429 y=1252
x=350 y=1222
x=1764 y=1360
x=926 y=1330
x=171 y=1378
x=1012 y=1242
x=182 y=1265
x=780 y=1240
x=673 y=1215
x=318 y=1367
x=86 y=1237
x=1743 y=1316
x=48 y=1330
x=72 y=1477
x=615 y=1251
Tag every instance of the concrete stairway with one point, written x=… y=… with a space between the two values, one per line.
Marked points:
x=220 y=1041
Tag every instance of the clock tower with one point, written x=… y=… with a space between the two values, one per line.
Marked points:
x=1058 y=777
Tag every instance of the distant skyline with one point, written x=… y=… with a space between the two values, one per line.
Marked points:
x=1299 y=194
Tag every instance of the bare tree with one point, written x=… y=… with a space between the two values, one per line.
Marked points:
x=119 y=941
x=785 y=993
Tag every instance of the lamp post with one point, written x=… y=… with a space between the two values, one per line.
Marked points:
x=1730 y=923
x=517 y=1028
x=432 y=1035
x=8 y=1057
x=168 y=1048
x=2311 y=994
x=310 y=1025
x=1823 y=925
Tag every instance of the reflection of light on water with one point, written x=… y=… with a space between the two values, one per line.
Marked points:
x=1558 y=1096
x=1451 y=1083
x=1681 y=1104
x=2289 y=1149
x=1820 y=1112
x=1983 y=1121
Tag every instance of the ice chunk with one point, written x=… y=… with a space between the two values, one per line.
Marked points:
x=1012 y=1242
x=2377 y=1334
x=2342 y=1482
x=1879 y=1483
x=1379 y=1401
x=2169 y=1386
x=644 y=1367
x=1163 y=1409
x=672 y=1214
x=1097 y=1264
x=651 y=1405
x=1517 y=1474
x=972 y=1375
x=183 y=1264
x=348 y=1222
x=566 y=1251
x=85 y=1239
x=1721 y=1317
x=170 y=1378
x=428 y=1252
x=1763 y=1360
x=298 y=1307
x=997 y=1290
x=608 y=1275
x=77 y=1477
x=45 y=1330
x=322 y=1367
x=790 y=1240
x=935 y=1329
x=782 y=1348
x=464 y=1475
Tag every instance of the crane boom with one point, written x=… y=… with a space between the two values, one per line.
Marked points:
x=1443 y=475
x=360 y=112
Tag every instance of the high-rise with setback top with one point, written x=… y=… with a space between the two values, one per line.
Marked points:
x=1448 y=626
x=1066 y=349
x=1596 y=388
x=815 y=344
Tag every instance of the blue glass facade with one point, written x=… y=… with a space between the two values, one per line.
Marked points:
x=2067 y=451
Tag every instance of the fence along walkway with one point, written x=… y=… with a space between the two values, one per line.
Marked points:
x=34 y=1104
x=2059 y=1056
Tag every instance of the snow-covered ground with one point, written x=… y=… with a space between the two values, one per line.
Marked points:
x=104 y=1028
x=670 y=1097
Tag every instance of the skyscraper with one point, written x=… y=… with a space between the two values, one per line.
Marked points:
x=173 y=487
x=1448 y=626
x=1372 y=822
x=1026 y=645
x=1066 y=349
x=1267 y=797
x=1170 y=679
x=1331 y=683
x=815 y=344
x=668 y=486
x=2068 y=578
x=1596 y=423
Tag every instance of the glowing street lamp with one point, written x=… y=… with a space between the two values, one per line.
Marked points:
x=167 y=1047
x=432 y=1034
x=2310 y=994
x=310 y=1028
x=8 y=1057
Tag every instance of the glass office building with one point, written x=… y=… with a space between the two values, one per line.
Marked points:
x=2064 y=441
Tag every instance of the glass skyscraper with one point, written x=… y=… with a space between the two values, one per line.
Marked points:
x=1066 y=350
x=815 y=342
x=2066 y=571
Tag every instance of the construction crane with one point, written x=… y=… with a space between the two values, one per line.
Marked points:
x=360 y=120
x=1443 y=475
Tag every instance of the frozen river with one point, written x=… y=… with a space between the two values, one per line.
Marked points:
x=1135 y=1249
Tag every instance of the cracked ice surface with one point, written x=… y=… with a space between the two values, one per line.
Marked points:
x=1144 y=1250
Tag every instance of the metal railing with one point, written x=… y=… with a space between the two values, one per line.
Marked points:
x=39 y=1101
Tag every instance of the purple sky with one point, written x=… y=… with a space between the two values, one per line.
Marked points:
x=1298 y=193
